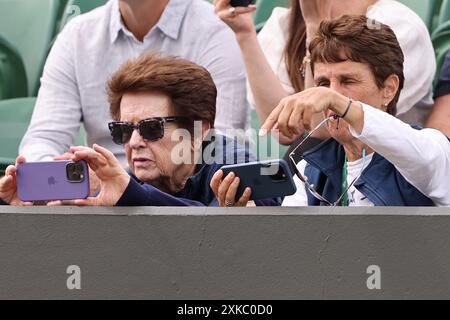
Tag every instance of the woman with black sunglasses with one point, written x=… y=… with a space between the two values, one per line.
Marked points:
x=164 y=112
x=373 y=158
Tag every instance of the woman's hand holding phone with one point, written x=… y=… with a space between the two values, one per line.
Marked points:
x=94 y=182
x=113 y=177
x=226 y=188
x=237 y=184
x=239 y=19
x=8 y=186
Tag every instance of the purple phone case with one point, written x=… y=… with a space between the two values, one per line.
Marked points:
x=47 y=181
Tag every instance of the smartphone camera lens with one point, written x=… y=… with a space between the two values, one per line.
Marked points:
x=75 y=172
x=279 y=176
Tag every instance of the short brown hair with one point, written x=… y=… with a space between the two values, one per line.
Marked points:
x=359 y=39
x=189 y=86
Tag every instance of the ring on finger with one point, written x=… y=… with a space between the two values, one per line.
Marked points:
x=229 y=204
x=232 y=11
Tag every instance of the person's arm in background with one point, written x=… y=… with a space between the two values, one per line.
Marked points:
x=440 y=117
x=265 y=85
x=57 y=114
x=222 y=57
x=273 y=39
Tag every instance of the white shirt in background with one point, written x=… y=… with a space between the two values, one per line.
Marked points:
x=420 y=63
x=94 y=45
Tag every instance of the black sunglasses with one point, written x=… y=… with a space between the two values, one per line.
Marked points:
x=151 y=129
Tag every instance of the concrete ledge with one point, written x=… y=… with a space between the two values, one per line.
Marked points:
x=205 y=211
x=255 y=253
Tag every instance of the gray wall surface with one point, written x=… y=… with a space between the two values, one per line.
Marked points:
x=205 y=253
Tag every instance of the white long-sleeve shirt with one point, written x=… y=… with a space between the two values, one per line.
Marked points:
x=421 y=156
x=94 y=45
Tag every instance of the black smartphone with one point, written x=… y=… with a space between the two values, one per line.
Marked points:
x=241 y=3
x=267 y=179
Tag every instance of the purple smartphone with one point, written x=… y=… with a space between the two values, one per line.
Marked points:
x=49 y=181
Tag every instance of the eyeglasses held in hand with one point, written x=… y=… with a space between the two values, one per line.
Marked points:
x=151 y=129
x=304 y=179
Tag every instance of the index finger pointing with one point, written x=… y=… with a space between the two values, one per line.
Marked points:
x=271 y=120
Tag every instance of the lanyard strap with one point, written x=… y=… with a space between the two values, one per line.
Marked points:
x=344 y=201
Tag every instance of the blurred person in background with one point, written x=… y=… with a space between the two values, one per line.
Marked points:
x=94 y=45
x=440 y=117
x=277 y=58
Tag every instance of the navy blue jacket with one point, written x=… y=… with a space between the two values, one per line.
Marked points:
x=380 y=182
x=197 y=191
